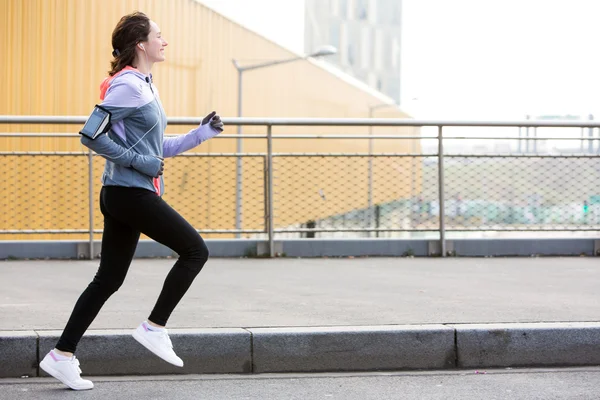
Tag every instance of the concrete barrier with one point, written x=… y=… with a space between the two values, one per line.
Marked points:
x=315 y=247
x=528 y=344
x=363 y=348
x=18 y=354
x=203 y=351
x=318 y=349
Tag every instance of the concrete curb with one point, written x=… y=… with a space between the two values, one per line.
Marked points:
x=115 y=352
x=360 y=348
x=528 y=345
x=21 y=348
x=315 y=247
x=319 y=349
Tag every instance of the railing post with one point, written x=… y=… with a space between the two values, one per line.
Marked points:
x=441 y=192
x=270 y=189
x=91 y=200
x=266 y=193
x=377 y=218
x=370 y=185
x=239 y=168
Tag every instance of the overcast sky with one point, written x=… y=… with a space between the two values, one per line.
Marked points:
x=473 y=59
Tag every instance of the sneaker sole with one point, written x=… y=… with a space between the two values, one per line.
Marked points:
x=141 y=340
x=58 y=375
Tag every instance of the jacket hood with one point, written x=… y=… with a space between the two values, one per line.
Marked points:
x=109 y=79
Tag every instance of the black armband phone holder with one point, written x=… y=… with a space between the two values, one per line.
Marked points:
x=97 y=123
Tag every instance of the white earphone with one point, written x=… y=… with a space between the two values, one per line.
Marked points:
x=142 y=47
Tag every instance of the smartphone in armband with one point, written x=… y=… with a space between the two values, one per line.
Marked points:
x=97 y=123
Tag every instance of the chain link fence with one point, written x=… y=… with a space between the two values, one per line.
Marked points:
x=522 y=193
x=47 y=195
x=392 y=192
x=332 y=195
x=44 y=196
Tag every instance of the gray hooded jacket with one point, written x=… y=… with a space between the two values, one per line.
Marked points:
x=135 y=143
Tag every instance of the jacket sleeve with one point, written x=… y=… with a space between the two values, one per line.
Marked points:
x=179 y=144
x=122 y=100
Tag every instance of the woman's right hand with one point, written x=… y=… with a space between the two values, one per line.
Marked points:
x=162 y=167
x=149 y=165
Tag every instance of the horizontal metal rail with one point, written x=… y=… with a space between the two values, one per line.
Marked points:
x=323 y=230
x=325 y=137
x=478 y=229
x=86 y=231
x=42 y=231
x=577 y=224
x=78 y=153
x=244 y=136
x=316 y=230
x=354 y=155
x=42 y=119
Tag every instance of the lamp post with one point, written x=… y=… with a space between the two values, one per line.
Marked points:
x=322 y=51
x=370 y=189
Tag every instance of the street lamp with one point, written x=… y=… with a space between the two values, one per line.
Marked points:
x=370 y=190
x=322 y=51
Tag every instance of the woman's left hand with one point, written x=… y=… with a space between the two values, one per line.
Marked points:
x=214 y=120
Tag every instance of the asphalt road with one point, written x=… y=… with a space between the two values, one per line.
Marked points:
x=526 y=384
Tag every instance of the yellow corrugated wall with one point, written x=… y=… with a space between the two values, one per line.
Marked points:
x=58 y=51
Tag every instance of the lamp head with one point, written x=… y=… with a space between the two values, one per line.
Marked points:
x=326 y=50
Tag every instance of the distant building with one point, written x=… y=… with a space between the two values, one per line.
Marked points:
x=56 y=67
x=367 y=34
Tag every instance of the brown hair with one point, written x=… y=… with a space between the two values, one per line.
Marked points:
x=131 y=29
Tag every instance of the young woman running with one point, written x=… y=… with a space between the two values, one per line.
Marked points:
x=130 y=198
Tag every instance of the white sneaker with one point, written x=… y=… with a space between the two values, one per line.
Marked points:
x=67 y=371
x=157 y=342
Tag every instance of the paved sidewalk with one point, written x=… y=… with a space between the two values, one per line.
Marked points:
x=314 y=292
x=317 y=315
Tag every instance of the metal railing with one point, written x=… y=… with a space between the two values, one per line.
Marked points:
x=326 y=193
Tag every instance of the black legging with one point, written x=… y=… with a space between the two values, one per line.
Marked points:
x=127 y=212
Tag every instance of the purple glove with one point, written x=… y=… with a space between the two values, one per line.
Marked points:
x=214 y=120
